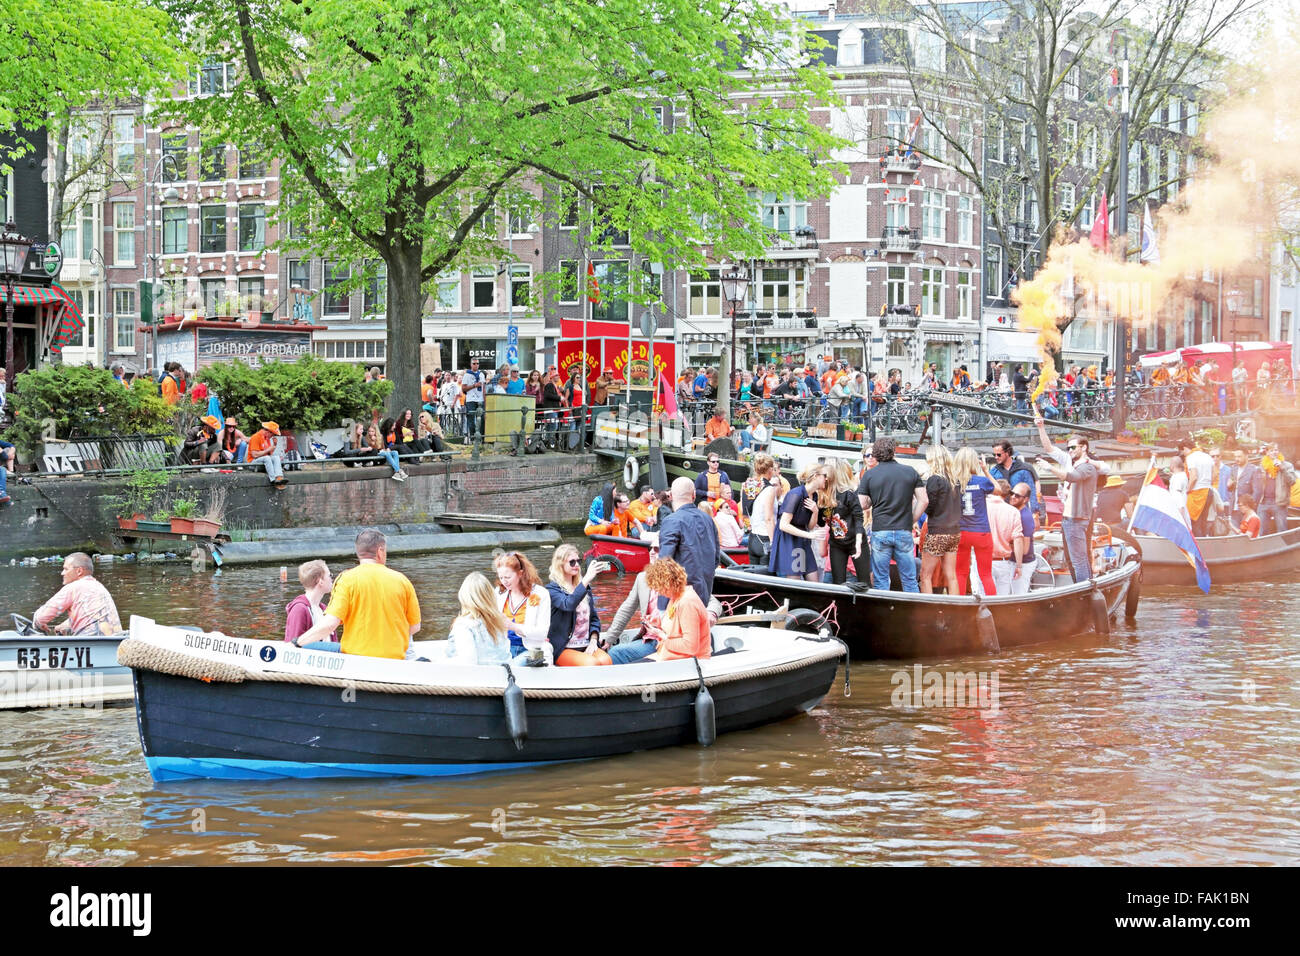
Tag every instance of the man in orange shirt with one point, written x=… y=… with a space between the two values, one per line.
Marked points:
x=171 y=384
x=262 y=448
x=376 y=606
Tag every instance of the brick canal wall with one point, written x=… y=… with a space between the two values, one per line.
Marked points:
x=58 y=515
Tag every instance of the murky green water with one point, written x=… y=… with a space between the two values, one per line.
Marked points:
x=1176 y=740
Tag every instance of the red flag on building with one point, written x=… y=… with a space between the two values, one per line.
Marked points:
x=1100 y=236
x=593 y=287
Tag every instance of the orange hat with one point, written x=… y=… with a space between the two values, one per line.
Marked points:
x=272 y=427
x=212 y=420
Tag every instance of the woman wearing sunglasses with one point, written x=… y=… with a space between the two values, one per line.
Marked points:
x=575 y=625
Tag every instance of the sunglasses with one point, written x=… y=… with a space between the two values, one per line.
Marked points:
x=574 y=562
x=1071 y=447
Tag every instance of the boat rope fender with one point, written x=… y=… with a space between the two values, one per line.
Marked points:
x=1100 y=612
x=516 y=714
x=1134 y=595
x=631 y=472
x=706 y=725
x=986 y=628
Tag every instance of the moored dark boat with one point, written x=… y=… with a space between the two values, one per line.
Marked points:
x=209 y=705
x=893 y=624
x=631 y=555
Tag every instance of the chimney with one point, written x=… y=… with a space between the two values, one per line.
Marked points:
x=830 y=11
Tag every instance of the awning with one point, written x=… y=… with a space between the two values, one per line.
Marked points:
x=69 y=319
x=942 y=336
x=1007 y=346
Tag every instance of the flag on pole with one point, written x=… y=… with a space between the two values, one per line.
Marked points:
x=665 y=398
x=1149 y=253
x=1159 y=512
x=1100 y=236
x=911 y=134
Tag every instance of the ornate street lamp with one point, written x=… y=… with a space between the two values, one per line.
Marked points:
x=735 y=283
x=13 y=256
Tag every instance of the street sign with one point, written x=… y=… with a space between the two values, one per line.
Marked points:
x=512 y=337
x=512 y=354
x=53 y=259
x=648 y=324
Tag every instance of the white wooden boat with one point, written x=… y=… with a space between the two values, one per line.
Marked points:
x=44 y=670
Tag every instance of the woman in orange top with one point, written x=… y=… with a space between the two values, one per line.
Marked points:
x=525 y=603
x=685 y=627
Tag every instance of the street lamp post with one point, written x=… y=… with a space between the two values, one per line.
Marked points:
x=13 y=256
x=97 y=262
x=735 y=284
x=1233 y=297
x=169 y=194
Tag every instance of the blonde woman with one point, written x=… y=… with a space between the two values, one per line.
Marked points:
x=942 y=521
x=844 y=521
x=432 y=432
x=575 y=625
x=974 y=484
x=525 y=603
x=377 y=446
x=800 y=516
x=761 y=495
x=479 y=635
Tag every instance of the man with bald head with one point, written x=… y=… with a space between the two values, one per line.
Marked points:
x=1022 y=500
x=87 y=603
x=690 y=538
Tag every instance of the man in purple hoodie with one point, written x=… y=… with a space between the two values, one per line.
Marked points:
x=306 y=609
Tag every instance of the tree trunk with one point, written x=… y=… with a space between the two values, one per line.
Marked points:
x=405 y=315
x=60 y=182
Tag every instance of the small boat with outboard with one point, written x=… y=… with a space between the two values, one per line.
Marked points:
x=894 y=624
x=212 y=705
x=59 y=670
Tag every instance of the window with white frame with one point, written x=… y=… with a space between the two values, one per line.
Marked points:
x=966 y=140
x=993 y=145
x=1134 y=168
x=934 y=215
x=965 y=220
x=446 y=296
x=374 y=299
x=299 y=274
x=212 y=77
x=125 y=318
x=175 y=229
x=1207 y=272
x=1070 y=84
x=1086 y=214
x=521 y=220
x=483 y=288
x=212 y=228
x=931 y=141
x=1175 y=111
x=896 y=285
x=89 y=230
x=964 y=294
x=1207 y=323
x=1016 y=138
x=897 y=122
x=1258 y=302
x=521 y=286
x=212 y=162
x=1090 y=148
x=335 y=301
x=1031 y=142
x=704 y=294
x=252 y=294
x=783 y=289
x=993 y=272
x=1172 y=173
x=174 y=163
x=123 y=234
x=1068 y=199
x=214 y=294
x=931 y=292
x=611 y=277
x=487 y=223
x=1192 y=116
x=124 y=143
x=1189 y=322
x=568 y=207
x=896 y=215
x=252 y=227
x=1070 y=138
x=783 y=214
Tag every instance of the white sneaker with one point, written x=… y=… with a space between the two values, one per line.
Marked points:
x=399 y=476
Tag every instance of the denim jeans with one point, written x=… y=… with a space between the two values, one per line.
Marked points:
x=273 y=465
x=1075 y=533
x=473 y=423
x=858 y=404
x=899 y=546
x=393 y=460
x=1272 y=517
x=746 y=439
x=631 y=652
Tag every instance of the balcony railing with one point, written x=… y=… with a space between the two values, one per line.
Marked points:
x=897 y=162
x=900 y=239
x=900 y=317
x=802 y=241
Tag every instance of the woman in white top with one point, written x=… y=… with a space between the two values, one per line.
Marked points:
x=729 y=533
x=762 y=515
x=525 y=603
x=479 y=633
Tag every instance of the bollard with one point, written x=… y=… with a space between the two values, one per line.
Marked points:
x=1100 y=612
x=987 y=628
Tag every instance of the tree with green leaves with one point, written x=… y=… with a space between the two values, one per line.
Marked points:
x=403 y=124
x=57 y=56
x=1036 y=76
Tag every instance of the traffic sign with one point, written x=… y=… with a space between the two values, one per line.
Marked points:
x=512 y=336
x=512 y=354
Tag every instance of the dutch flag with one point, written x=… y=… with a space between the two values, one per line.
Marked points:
x=1159 y=513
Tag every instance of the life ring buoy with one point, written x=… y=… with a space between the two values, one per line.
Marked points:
x=631 y=472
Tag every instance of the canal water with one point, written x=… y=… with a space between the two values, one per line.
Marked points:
x=1174 y=741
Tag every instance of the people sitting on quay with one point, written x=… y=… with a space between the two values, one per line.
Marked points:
x=375 y=445
x=399 y=435
x=717 y=427
x=84 y=599
x=758 y=436
x=431 y=432
x=232 y=443
x=480 y=633
x=308 y=608
x=375 y=605
x=526 y=605
x=202 y=446
x=575 y=625
x=262 y=448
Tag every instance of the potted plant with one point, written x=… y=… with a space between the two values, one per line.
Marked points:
x=182 y=517
x=210 y=522
x=159 y=522
x=143 y=487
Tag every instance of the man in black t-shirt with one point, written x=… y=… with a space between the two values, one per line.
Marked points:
x=896 y=496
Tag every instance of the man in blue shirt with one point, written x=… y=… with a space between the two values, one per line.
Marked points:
x=700 y=387
x=689 y=537
x=515 y=384
x=1013 y=470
